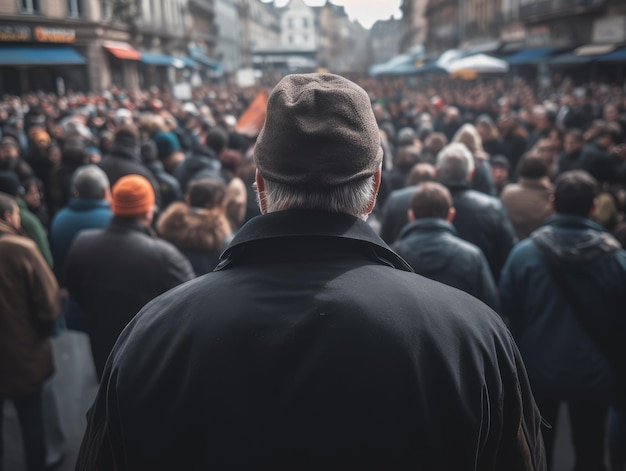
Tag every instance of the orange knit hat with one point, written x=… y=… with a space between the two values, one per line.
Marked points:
x=133 y=195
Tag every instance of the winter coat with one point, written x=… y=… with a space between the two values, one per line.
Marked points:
x=200 y=234
x=124 y=161
x=528 y=204
x=562 y=360
x=482 y=220
x=169 y=188
x=78 y=215
x=201 y=163
x=33 y=228
x=394 y=214
x=113 y=272
x=28 y=307
x=313 y=346
x=432 y=248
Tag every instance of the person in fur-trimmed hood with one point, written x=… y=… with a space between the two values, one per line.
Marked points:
x=199 y=227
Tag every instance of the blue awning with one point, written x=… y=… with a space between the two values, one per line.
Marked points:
x=615 y=56
x=570 y=59
x=187 y=62
x=154 y=58
x=60 y=55
x=204 y=60
x=530 y=56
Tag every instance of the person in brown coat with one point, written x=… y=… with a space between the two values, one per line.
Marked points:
x=528 y=202
x=28 y=308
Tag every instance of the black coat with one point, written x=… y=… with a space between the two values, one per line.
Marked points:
x=313 y=346
x=433 y=249
x=395 y=215
x=482 y=220
x=112 y=273
x=124 y=161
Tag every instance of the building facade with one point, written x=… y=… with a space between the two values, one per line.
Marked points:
x=260 y=28
x=414 y=24
x=228 y=47
x=385 y=38
x=91 y=45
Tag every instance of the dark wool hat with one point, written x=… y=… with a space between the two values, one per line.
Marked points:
x=320 y=131
x=127 y=137
x=10 y=184
x=166 y=143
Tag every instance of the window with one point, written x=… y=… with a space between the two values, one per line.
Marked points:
x=290 y=39
x=29 y=6
x=305 y=22
x=290 y=23
x=75 y=8
x=105 y=9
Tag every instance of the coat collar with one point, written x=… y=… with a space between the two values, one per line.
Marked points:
x=86 y=204
x=292 y=224
x=122 y=224
x=427 y=225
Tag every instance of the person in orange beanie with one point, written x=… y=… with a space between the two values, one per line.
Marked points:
x=113 y=272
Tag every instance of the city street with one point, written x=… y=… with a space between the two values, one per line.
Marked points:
x=75 y=385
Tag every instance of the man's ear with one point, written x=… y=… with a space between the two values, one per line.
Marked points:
x=377 y=177
x=260 y=191
x=451 y=214
x=411 y=215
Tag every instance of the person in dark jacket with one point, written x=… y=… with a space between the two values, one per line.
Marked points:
x=125 y=159
x=430 y=245
x=569 y=158
x=169 y=188
x=198 y=227
x=11 y=160
x=395 y=212
x=571 y=357
x=313 y=345
x=480 y=219
x=113 y=272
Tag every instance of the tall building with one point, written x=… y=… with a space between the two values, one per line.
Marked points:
x=228 y=47
x=342 y=42
x=260 y=28
x=414 y=24
x=385 y=37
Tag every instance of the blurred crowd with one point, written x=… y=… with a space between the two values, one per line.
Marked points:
x=70 y=163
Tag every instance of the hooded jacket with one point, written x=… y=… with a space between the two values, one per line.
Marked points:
x=561 y=357
x=200 y=234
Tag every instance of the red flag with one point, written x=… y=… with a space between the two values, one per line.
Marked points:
x=252 y=120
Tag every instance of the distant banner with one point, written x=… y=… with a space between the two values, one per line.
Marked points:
x=252 y=120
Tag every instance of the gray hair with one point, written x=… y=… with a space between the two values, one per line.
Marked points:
x=351 y=198
x=455 y=163
x=90 y=181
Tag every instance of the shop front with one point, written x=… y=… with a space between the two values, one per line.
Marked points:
x=34 y=57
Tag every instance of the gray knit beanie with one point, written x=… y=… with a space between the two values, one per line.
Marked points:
x=320 y=131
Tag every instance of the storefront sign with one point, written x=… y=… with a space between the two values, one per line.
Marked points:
x=512 y=33
x=538 y=36
x=610 y=29
x=41 y=34
x=54 y=35
x=15 y=33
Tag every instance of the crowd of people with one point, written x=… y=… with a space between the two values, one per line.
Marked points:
x=512 y=194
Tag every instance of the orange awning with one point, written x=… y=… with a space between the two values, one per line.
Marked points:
x=122 y=50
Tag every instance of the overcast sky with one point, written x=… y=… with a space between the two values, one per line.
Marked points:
x=365 y=11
